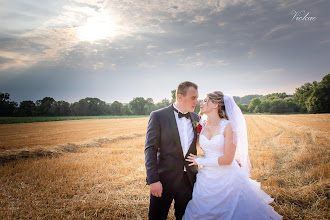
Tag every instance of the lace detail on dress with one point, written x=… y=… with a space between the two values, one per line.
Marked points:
x=214 y=147
x=223 y=125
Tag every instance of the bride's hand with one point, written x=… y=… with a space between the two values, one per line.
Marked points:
x=191 y=158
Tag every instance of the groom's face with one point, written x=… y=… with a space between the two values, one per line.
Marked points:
x=189 y=101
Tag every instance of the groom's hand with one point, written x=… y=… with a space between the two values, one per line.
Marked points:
x=156 y=189
x=192 y=159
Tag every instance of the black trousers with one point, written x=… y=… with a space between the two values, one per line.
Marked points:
x=159 y=206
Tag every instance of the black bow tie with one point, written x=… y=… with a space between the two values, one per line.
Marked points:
x=187 y=115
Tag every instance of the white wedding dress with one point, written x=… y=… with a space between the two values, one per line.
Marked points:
x=226 y=192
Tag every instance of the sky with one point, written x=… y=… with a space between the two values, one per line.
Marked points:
x=116 y=50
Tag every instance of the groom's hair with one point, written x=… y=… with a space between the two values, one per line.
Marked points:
x=183 y=87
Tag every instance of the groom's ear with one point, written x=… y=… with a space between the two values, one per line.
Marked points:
x=179 y=97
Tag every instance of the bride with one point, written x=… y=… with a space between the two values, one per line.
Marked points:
x=223 y=189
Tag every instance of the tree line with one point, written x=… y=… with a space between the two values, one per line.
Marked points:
x=48 y=106
x=309 y=98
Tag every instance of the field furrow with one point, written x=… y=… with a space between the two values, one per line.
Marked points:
x=50 y=134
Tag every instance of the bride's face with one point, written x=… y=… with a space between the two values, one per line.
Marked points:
x=207 y=106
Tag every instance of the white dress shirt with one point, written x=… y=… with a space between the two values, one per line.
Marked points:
x=186 y=131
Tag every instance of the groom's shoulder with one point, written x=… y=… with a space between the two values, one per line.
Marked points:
x=196 y=116
x=162 y=111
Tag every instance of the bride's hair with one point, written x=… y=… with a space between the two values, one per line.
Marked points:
x=217 y=97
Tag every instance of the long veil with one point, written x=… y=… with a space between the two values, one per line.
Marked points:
x=240 y=139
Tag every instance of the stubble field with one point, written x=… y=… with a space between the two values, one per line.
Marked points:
x=94 y=169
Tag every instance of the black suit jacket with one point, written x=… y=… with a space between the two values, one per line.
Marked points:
x=164 y=158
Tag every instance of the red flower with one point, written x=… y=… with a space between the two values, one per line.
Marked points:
x=199 y=128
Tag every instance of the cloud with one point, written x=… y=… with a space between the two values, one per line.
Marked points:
x=222 y=63
x=17 y=60
x=151 y=46
x=99 y=65
x=175 y=51
x=39 y=45
x=251 y=53
x=199 y=19
x=203 y=44
x=278 y=31
x=159 y=42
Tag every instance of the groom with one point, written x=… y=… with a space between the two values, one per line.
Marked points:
x=170 y=138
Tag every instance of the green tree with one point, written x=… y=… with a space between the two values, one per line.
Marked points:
x=79 y=108
x=63 y=108
x=44 y=105
x=253 y=104
x=26 y=108
x=278 y=106
x=150 y=106
x=96 y=106
x=302 y=94
x=116 y=108
x=162 y=104
x=54 y=109
x=198 y=107
x=257 y=109
x=173 y=95
x=139 y=106
x=242 y=107
x=90 y=106
x=292 y=106
x=265 y=105
x=319 y=100
x=127 y=110
x=7 y=106
x=275 y=96
x=237 y=99
x=248 y=98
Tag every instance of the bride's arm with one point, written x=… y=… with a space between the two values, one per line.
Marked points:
x=229 y=148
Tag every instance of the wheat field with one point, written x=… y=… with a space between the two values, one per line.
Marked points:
x=94 y=169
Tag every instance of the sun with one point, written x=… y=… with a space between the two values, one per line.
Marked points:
x=98 y=27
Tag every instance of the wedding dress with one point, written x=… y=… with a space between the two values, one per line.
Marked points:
x=226 y=192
